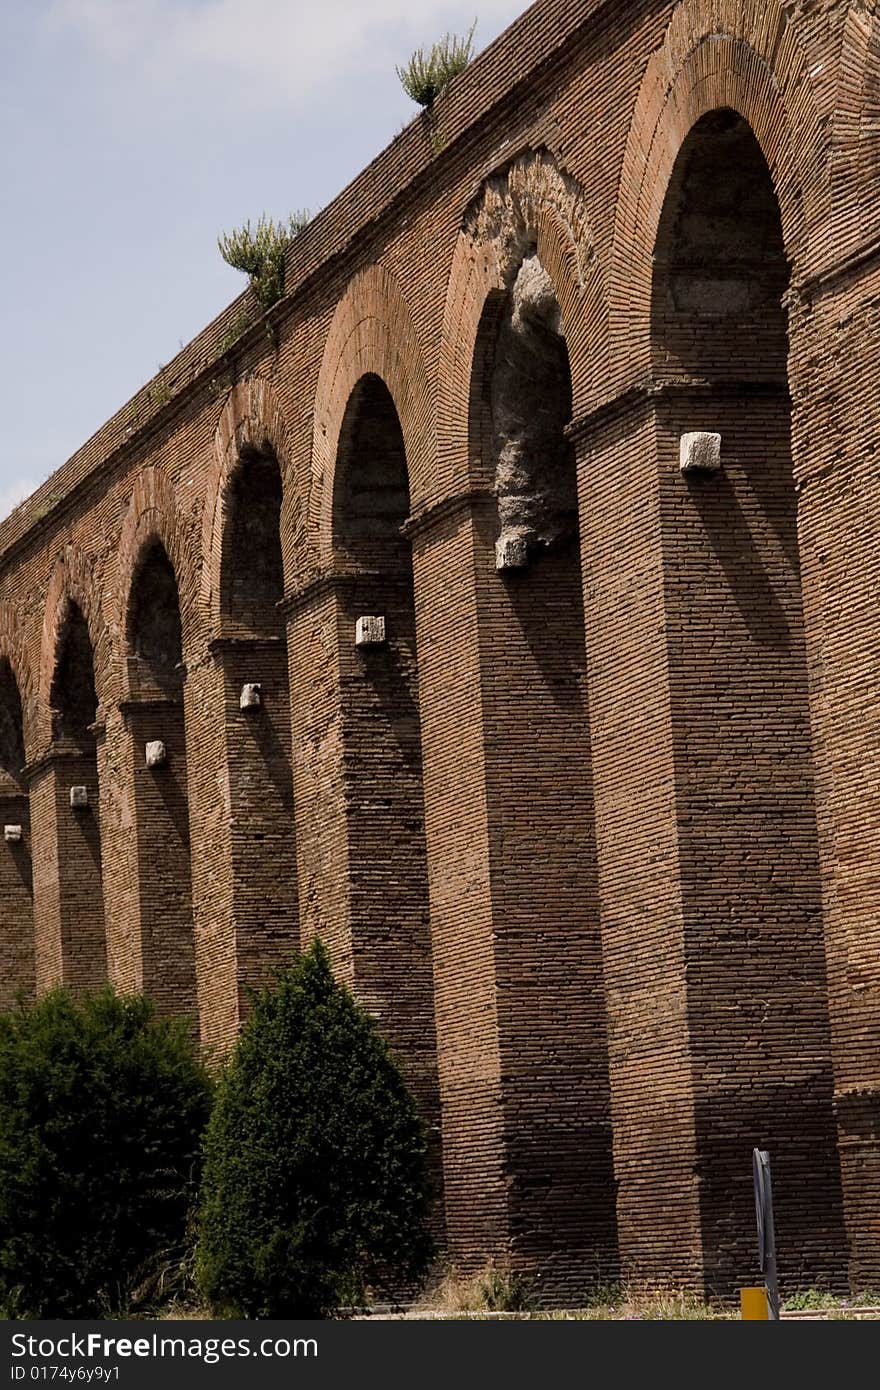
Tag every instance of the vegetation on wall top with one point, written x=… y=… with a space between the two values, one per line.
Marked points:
x=259 y=252
x=426 y=74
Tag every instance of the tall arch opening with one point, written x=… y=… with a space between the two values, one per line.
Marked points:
x=70 y=858
x=720 y=268
x=154 y=713
x=252 y=651
x=154 y=630
x=387 y=947
x=746 y=827
x=553 y=1086
x=252 y=571
x=16 y=875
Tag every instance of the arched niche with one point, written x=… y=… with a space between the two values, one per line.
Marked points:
x=746 y=833
x=16 y=872
x=155 y=716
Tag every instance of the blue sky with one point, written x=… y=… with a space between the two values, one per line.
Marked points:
x=134 y=131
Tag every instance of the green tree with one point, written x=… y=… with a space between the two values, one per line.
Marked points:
x=102 y=1113
x=314 y=1183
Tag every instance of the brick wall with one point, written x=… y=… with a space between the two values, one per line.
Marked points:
x=597 y=839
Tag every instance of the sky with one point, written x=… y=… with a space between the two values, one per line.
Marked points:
x=134 y=133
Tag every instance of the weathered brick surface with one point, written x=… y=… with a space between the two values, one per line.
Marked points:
x=596 y=839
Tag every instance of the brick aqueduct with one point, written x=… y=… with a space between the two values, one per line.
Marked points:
x=595 y=831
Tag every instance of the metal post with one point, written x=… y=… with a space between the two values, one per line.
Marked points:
x=766 y=1231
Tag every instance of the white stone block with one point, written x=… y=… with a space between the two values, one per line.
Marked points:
x=251 y=696
x=511 y=553
x=79 y=798
x=369 y=632
x=12 y=833
x=700 y=452
x=156 y=753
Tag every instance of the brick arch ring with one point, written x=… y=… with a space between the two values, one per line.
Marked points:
x=251 y=417
x=73 y=582
x=13 y=650
x=372 y=333
x=758 y=70
x=153 y=515
x=855 y=140
x=531 y=201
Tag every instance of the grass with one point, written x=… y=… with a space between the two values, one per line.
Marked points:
x=493 y=1291
x=426 y=74
x=240 y=324
x=809 y=1300
x=160 y=391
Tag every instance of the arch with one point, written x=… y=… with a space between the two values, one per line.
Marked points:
x=153 y=516
x=529 y=313
x=372 y=333
x=73 y=584
x=736 y=662
x=530 y=204
x=73 y=697
x=251 y=423
x=12 y=751
x=77 y=683
x=371 y=494
x=16 y=869
x=249 y=536
x=13 y=649
x=153 y=627
x=155 y=719
x=720 y=272
x=856 y=136
x=757 y=69
x=375 y=788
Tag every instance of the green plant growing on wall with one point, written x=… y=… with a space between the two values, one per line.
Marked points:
x=240 y=324
x=259 y=252
x=314 y=1184
x=427 y=73
x=160 y=392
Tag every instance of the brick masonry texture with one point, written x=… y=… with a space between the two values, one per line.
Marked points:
x=595 y=838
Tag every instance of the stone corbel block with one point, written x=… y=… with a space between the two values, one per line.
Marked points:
x=511 y=553
x=156 y=753
x=79 y=798
x=369 y=632
x=251 y=696
x=700 y=452
x=12 y=834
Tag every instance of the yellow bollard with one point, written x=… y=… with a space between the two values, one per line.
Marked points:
x=753 y=1305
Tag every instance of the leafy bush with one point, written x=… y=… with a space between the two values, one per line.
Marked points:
x=259 y=252
x=102 y=1112
x=314 y=1182
x=426 y=74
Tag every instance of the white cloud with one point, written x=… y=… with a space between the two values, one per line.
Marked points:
x=13 y=493
x=283 y=51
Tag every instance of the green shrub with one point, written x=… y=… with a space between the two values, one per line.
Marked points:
x=505 y=1292
x=314 y=1183
x=806 y=1300
x=426 y=74
x=102 y=1112
x=259 y=252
